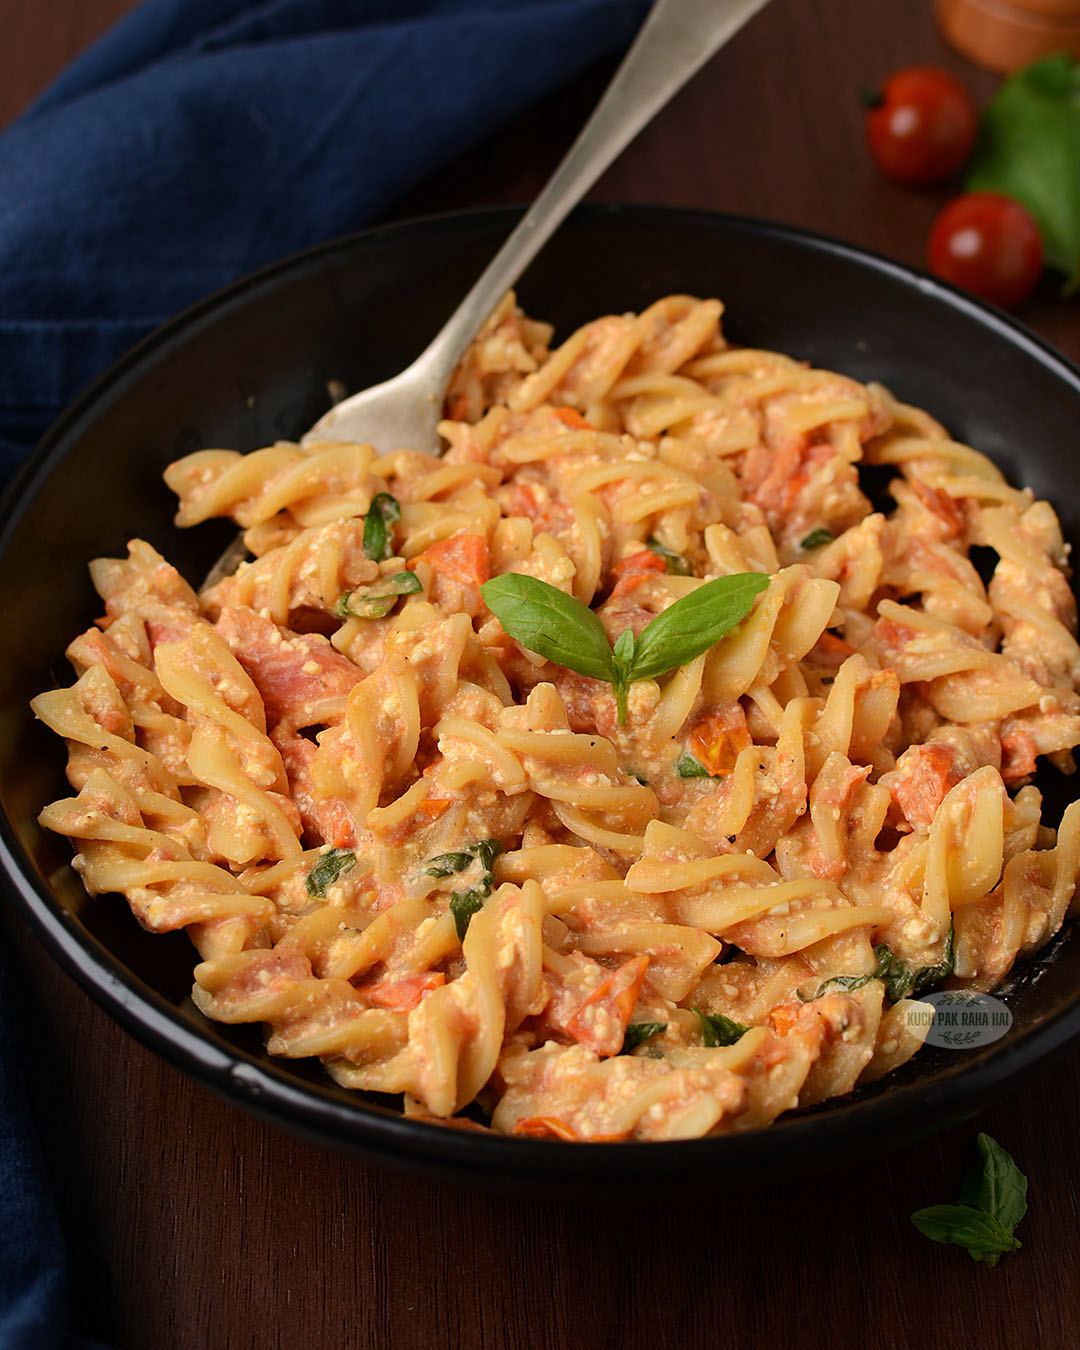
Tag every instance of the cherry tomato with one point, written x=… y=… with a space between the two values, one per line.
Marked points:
x=989 y=245
x=922 y=127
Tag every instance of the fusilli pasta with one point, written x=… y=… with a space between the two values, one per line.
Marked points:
x=416 y=849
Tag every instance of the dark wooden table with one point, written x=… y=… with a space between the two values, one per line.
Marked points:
x=191 y=1225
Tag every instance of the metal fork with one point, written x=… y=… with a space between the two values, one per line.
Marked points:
x=675 y=41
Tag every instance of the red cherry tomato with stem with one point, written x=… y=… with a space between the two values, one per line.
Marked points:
x=988 y=244
x=921 y=126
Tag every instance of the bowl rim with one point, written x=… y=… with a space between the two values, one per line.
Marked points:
x=266 y=1087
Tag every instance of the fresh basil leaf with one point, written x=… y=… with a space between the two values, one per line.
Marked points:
x=818 y=538
x=982 y=1236
x=676 y=564
x=695 y=623
x=327 y=870
x=382 y=513
x=1029 y=149
x=995 y=1184
x=464 y=904
x=377 y=600
x=639 y=1032
x=716 y=1029
x=551 y=623
x=622 y=660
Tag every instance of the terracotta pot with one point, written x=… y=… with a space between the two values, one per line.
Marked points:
x=1003 y=35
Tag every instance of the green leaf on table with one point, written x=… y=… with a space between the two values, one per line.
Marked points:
x=979 y=1233
x=1029 y=149
x=993 y=1200
x=995 y=1184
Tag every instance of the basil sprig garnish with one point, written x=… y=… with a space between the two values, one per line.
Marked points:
x=560 y=628
x=716 y=1029
x=993 y=1200
x=675 y=563
x=377 y=600
x=382 y=513
x=326 y=871
x=637 y=1033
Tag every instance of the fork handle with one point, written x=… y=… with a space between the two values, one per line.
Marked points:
x=674 y=42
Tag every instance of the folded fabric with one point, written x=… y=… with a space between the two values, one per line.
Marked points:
x=203 y=138
x=196 y=141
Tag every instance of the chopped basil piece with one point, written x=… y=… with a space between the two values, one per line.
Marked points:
x=464 y=904
x=327 y=870
x=716 y=1029
x=686 y=766
x=487 y=850
x=901 y=980
x=377 y=600
x=639 y=1032
x=818 y=538
x=851 y=982
x=676 y=564
x=382 y=513
x=446 y=864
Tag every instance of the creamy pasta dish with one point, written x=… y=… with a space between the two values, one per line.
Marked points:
x=622 y=773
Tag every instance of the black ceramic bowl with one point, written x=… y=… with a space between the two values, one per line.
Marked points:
x=251 y=365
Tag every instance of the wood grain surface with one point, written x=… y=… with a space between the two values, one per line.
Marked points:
x=191 y=1225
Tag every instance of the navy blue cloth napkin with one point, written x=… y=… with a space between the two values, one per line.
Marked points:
x=202 y=138
x=196 y=141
